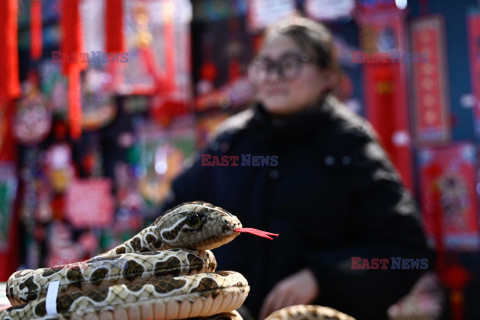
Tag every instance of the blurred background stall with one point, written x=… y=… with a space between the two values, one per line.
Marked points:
x=117 y=95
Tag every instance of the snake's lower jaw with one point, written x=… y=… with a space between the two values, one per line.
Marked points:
x=217 y=241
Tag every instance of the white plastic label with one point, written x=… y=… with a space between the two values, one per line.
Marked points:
x=51 y=300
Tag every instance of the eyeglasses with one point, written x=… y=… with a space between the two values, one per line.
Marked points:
x=288 y=67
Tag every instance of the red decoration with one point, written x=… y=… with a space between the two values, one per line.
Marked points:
x=366 y=6
x=36 y=29
x=453 y=275
x=165 y=110
x=7 y=141
x=386 y=93
x=430 y=89
x=456 y=277
x=9 y=80
x=170 y=76
x=114 y=40
x=448 y=197
x=71 y=47
x=74 y=103
x=208 y=71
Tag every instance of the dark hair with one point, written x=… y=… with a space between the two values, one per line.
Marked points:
x=313 y=37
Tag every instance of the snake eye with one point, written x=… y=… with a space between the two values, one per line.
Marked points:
x=193 y=220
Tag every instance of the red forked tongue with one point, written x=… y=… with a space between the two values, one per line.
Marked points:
x=256 y=232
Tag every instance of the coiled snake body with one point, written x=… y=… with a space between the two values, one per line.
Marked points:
x=137 y=281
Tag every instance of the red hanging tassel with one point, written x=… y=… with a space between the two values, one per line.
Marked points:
x=72 y=47
x=169 y=46
x=36 y=29
x=7 y=141
x=74 y=103
x=114 y=40
x=9 y=79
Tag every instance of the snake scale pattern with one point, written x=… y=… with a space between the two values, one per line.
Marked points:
x=164 y=272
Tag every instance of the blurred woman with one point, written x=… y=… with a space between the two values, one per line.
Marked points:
x=313 y=172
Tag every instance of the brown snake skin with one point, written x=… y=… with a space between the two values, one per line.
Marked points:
x=308 y=312
x=137 y=281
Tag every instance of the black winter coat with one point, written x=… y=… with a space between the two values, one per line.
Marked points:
x=329 y=190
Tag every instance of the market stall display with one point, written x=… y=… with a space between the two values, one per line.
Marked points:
x=89 y=147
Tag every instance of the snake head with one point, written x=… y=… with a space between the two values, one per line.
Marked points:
x=198 y=225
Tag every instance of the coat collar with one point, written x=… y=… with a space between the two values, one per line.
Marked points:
x=291 y=130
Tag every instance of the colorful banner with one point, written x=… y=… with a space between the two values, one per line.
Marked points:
x=448 y=195
x=385 y=87
x=430 y=89
x=473 y=27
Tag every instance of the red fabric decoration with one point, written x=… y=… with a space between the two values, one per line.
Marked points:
x=71 y=47
x=234 y=71
x=114 y=40
x=151 y=66
x=74 y=103
x=208 y=71
x=258 y=233
x=165 y=110
x=36 y=29
x=168 y=84
x=7 y=145
x=9 y=80
x=455 y=277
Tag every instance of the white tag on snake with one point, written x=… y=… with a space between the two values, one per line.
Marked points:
x=51 y=300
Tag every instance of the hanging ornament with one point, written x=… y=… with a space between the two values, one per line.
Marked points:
x=72 y=46
x=36 y=29
x=9 y=79
x=54 y=87
x=59 y=169
x=114 y=40
x=98 y=108
x=33 y=120
x=158 y=56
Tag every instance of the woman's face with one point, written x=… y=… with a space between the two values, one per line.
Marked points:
x=283 y=96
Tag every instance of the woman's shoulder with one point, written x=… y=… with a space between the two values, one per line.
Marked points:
x=347 y=124
x=235 y=123
x=230 y=129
